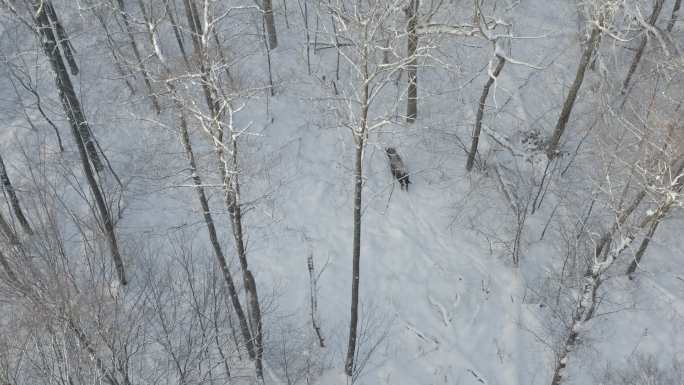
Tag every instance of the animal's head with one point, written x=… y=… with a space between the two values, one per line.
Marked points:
x=390 y=151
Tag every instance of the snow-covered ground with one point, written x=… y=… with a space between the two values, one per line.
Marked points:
x=441 y=301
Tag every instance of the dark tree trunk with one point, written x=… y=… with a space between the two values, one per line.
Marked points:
x=360 y=139
x=230 y=175
x=592 y=44
x=67 y=48
x=211 y=229
x=657 y=8
x=79 y=126
x=269 y=23
x=14 y=201
x=480 y=111
x=412 y=68
x=642 y=248
x=70 y=102
x=231 y=186
x=356 y=257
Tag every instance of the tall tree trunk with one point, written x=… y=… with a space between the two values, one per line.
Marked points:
x=657 y=8
x=313 y=292
x=211 y=229
x=412 y=68
x=67 y=48
x=642 y=248
x=14 y=201
x=673 y=17
x=480 y=111
x=592 y=44
x=138 y=57
x=269 y=23
x=231 y=186
x=360 y=139
x=229 y=171
x=79 y=126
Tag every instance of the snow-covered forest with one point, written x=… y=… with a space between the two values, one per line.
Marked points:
x=333 y=192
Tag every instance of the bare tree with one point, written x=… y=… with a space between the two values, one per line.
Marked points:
x=228 y=168
x=80 y=130
x=362 y=27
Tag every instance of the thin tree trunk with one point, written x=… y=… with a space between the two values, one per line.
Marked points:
x=642 y=249
x=138 y=57
x=39 y=106
x=253 y=300
x=480 y=111
x=269 y=23
x=313 y=292
x=14 y=201
x=592 y=44
x=231 y=185
x=270 y=68
x=679 y=166
x=211 y=229
x=79 y=125
x=673 y=17
x=359 y=138
x=229 y=173
x=657 y=8
x=412 y=68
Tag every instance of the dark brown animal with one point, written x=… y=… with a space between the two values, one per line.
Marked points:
x=398 y=168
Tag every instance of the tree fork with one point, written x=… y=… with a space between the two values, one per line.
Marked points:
x=657 y=8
